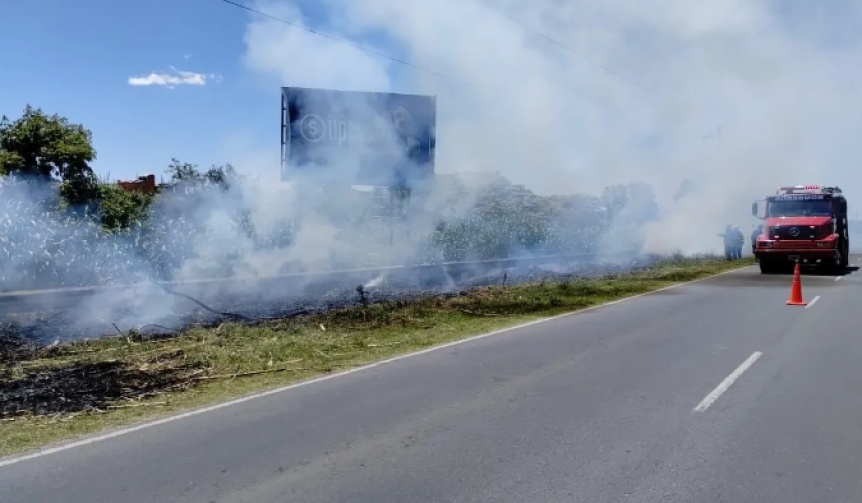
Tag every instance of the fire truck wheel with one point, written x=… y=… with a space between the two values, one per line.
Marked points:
x=835 y=267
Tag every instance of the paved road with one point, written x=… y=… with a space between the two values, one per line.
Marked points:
x=595 y=407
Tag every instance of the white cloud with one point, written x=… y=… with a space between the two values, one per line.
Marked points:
x=786 y=96
x=178 y=78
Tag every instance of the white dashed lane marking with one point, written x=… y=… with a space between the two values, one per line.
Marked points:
x=727 y=382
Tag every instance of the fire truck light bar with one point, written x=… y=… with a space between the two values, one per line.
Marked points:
x=807 y=189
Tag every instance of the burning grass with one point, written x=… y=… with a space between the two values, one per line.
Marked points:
x=50 y=394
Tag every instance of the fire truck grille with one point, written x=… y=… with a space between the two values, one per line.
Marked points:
x=794 y=232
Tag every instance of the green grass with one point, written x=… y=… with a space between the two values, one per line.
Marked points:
x=129 y=379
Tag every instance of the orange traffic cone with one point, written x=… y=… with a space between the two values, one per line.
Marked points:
x=796 y=289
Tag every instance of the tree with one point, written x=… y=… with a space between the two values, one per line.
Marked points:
x=184 y=171
x=224 y=175
x=637 y=199
x=188 y=173
x=120 y=209
x=49 y=147
x=46 y=146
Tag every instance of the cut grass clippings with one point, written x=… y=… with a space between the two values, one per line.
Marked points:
x=63 y=392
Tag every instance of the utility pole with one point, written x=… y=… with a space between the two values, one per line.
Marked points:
x=718 y=147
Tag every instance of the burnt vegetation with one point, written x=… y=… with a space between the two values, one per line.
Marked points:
x=93 y=386
x=61 y=226
x=135 y=370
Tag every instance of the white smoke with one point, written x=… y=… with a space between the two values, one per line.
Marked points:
x=727 y=100
x=738 y=96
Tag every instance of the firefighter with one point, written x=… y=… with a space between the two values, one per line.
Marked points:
x=757 y=231
x=728 y=241
x=738 y=242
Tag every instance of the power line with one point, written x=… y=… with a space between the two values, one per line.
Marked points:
x=343 y=41
x=427 y=70
x=424 y=69
x=603 y=67
x=570 y=50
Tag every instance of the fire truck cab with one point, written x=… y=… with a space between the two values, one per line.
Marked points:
x=805 y=224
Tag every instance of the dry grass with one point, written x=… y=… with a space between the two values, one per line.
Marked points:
x=52 y=395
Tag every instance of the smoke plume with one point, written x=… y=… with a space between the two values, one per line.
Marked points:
x=702 y=107
x=729 y=99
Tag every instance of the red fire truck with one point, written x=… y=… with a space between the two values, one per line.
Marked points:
x=805 y=224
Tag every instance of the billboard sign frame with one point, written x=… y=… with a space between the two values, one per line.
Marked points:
x=370 y=138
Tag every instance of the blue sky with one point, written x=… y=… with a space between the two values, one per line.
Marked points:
x=75 y=58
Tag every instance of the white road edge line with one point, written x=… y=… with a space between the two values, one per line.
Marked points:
x=838 y=278
x=813 y=301
x=131 y=429
x=727 y=382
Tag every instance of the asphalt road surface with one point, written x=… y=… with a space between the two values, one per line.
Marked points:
x=712 y=392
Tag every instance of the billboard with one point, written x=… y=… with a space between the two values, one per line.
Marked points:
x=357 y=137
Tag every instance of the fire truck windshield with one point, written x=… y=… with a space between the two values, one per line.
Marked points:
x=799 y=208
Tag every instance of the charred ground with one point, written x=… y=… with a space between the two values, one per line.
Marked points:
x=54 y=391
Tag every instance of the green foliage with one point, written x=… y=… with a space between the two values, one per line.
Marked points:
x=43 y=145
x=200 y=218
x=80 y=188
x=120 y=209
x=190 y=174
x=507 y=220
x=635 y=199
